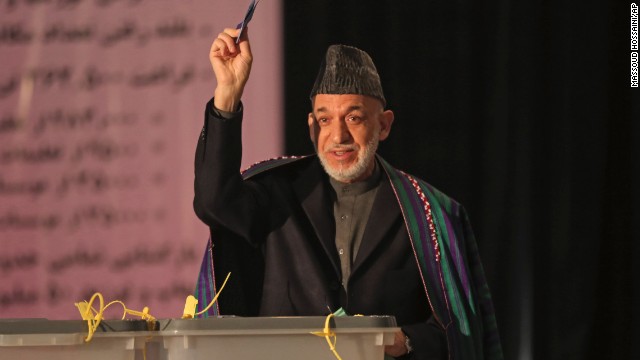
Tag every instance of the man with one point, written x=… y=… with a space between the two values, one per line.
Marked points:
x=343 y=229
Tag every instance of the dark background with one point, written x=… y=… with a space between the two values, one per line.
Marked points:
x=523 y=112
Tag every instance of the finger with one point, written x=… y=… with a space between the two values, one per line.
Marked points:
x=230 y=41
x=219 y=48
x=232 y=33
x=223 y=45
x=244 y=41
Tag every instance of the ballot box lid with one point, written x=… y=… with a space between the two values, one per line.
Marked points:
x=261 y=324
x=44 y=326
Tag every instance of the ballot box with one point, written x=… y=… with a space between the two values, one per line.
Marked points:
x=41 y=339
x=282 y=338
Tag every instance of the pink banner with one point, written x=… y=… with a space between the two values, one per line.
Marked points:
x=101 y=104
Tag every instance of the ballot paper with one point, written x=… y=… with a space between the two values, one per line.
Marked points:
x=242 y=25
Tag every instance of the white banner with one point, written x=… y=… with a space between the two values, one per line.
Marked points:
x=101 y=105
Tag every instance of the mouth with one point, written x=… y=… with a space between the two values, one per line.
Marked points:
x=342 y=154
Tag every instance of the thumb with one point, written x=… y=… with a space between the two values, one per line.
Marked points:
x=244 y=42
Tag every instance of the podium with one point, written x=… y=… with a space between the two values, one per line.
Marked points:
x=282 y=338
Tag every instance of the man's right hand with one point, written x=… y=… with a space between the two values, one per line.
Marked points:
x=231 y=65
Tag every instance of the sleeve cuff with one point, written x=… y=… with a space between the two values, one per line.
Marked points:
x=226 y=115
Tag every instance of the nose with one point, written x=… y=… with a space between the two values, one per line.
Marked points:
x=340 y=133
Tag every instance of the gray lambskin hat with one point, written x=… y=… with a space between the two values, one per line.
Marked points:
x=348 y=70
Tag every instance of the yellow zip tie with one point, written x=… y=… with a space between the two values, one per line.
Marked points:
x=191 y=302
x=189 y=307
x=93 y=320
x=94 y=317
x=329 y=335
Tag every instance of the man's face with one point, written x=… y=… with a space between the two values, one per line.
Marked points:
x=346 y=130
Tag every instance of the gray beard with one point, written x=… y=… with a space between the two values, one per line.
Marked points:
x=365 y=158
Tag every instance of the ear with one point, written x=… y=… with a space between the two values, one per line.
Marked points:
x=313 y=129
x=386 y=120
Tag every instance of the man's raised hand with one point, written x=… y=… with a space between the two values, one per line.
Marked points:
x=231 y=65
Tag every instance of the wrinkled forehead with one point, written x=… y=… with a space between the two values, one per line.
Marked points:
x=345 y=102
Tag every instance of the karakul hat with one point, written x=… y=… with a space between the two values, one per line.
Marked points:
x=348 y=70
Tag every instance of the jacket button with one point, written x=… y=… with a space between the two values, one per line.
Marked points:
x=334 y=285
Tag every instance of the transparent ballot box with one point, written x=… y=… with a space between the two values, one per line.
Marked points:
x=282 y=338
x=40 y=339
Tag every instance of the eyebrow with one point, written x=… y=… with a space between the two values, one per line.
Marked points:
x=349 y=109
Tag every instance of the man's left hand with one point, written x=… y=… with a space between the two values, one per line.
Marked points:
x=398 y=348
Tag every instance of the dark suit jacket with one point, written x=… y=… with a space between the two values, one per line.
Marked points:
x=276 y=231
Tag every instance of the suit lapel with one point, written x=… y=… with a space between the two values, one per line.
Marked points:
x=316 y=202
x=384 y=213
